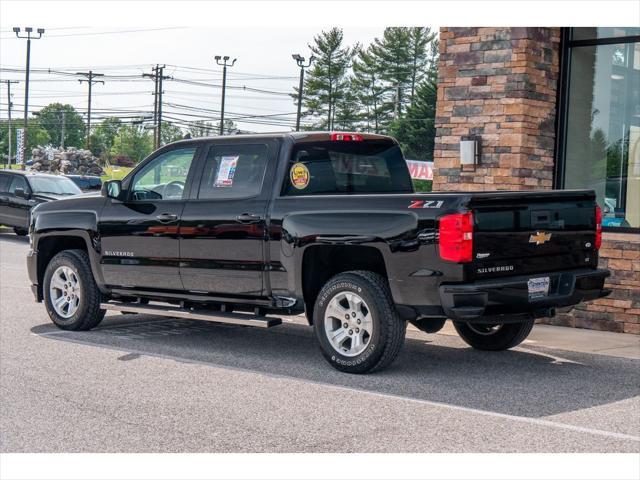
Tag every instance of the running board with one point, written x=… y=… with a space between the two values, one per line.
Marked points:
x=176 y=312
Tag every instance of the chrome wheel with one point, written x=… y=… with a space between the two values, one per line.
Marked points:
x=485 y=329
x=64 y=290
x=348 y=324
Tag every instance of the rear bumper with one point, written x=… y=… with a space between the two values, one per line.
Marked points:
x=510 y=296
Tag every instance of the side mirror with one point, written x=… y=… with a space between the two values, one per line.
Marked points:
x=112 y=189
x=20 y=192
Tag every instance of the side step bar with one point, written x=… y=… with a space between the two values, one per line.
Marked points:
x=177 y=312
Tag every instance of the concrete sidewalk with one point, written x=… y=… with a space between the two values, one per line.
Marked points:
x=623 y=345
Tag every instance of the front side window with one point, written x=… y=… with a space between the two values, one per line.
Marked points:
x=233 y=171
x=164 y=177
x=335 y=167
x=602 y=150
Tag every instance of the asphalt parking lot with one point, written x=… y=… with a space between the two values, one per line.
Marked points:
x=151 y=384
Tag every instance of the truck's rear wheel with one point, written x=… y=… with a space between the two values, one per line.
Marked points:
x=500 y=336
x=356 y=323
x=70 y=293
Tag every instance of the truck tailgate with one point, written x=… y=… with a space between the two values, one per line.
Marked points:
x=517 y=233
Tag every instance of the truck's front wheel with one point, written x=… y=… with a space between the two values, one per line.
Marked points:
x=494 y=337
x=71 y=295
x=356 y=323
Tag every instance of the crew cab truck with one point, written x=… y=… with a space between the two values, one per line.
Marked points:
x=240 y=229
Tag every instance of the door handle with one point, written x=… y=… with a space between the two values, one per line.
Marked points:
x=167 y=217
x=248 y=218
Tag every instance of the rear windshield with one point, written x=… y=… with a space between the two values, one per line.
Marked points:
x=370 y=166
x=55 y=185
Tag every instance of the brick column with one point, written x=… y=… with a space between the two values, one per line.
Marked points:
x=498 y=84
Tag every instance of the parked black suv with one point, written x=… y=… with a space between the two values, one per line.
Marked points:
x=235 y=229
x=21 y=191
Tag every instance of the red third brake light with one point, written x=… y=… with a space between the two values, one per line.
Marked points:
x=598 y=242
x=456 y=237
x=346 y=137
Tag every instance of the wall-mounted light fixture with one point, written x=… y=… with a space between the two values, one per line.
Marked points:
x=469 y=152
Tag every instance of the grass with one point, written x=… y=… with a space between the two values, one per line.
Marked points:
x=115 y=173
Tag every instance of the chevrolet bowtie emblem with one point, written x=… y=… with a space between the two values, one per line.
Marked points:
x=539 y=238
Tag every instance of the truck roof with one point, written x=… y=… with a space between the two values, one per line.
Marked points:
x=318 y=136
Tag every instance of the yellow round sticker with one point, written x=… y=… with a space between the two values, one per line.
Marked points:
x=299 y=175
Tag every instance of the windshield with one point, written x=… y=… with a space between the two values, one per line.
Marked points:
x=370 y=166
x=54 y=185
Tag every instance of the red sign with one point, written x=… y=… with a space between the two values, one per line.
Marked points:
x=420 y=170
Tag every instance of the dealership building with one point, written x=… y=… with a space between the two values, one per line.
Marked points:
x=542 y=108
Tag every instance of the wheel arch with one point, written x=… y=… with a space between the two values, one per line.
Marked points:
x=322 y=262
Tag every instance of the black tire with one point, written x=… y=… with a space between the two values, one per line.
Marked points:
x=88 y=314
x=21 y=232
x=388 y=330
x=507 y=336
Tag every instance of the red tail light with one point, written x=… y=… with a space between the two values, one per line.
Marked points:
x=346 y=137
x=456 y=237
x=598 y=227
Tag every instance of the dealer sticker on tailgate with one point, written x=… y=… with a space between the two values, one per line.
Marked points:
x=538 y=287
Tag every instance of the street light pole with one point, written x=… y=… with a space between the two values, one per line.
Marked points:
x=224 y=59
x=90 y=75
x=300 y=61
x=28 y=31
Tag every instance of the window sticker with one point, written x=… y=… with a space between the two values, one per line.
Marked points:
x=226 y=171
x=299 y=176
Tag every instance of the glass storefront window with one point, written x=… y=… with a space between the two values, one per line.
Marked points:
x=590 y=33
x=602 y=148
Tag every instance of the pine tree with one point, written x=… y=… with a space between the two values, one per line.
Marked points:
x=372 y=91
x=416 y=129
x=420 y=48
x=393 y=53
x=348 y=116
x=326 y=81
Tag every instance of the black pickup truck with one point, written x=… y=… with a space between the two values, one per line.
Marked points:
x=238 y=229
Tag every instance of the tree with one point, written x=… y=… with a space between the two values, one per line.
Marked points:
x=230 y=128
x=393 y=53
x=326 y=79
x=202 y=128
x=348 y=114
x=104 y=136
x=36 y=136
x=57 y=118
x=416 y=129
x=421 y=41
x=132 y=141
x=372 y=91
x=170 y=133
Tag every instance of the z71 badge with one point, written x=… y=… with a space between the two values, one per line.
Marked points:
x=426 y=203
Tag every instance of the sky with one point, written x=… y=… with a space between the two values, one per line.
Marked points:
x=123 y=54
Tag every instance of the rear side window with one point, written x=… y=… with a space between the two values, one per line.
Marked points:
x=5 y=180
x=18 y=181
x=233 y=171
x=370 y=166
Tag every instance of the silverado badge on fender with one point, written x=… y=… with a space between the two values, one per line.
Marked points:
x=539 y=238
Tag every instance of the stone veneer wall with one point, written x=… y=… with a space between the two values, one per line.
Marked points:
x=500 y=84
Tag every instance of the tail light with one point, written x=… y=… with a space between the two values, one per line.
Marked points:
x=598 y=242
x=346 y=137
x=456 y=237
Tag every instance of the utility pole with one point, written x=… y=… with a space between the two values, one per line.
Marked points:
x=300 y=61
x=90 y=75
x=62 y=125
x=224 y=59
x=157 y=76
x=9 y=106
x=28 y=31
